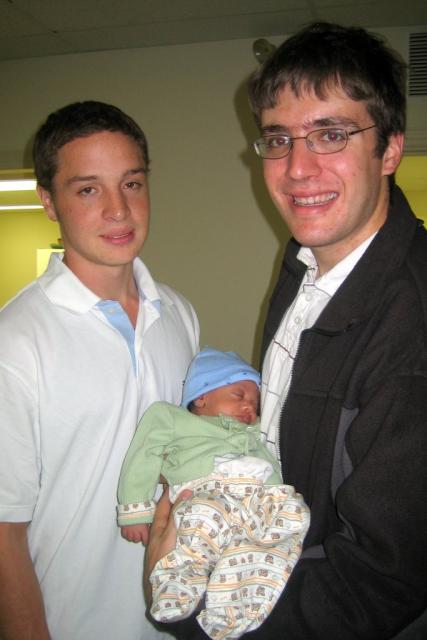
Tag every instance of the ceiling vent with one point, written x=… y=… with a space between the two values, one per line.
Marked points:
x=418 y=64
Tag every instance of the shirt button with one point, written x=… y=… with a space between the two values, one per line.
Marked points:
x=297 y=320
x=309 y=296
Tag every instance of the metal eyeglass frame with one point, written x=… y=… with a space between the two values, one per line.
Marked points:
x=307 y=139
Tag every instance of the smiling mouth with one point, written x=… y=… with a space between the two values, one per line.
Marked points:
x=121 y=235
x=310 y=201
x=118 y=236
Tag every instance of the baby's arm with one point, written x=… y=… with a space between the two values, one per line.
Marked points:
x=141 y=470
x=136 y=532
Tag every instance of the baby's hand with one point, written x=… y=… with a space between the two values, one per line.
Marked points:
x=136 y=532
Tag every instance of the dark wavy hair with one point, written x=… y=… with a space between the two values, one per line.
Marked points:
x=78 y=120
x=323 y=56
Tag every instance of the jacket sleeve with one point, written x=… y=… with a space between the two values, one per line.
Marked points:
x=142 y=465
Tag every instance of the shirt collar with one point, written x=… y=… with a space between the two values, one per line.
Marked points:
x=332 y=279
x=64 y=289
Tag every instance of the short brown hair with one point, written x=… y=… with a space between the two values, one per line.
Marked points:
x=78 y=120
x=325 y=55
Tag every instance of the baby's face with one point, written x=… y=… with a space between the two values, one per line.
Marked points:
x=239 y=400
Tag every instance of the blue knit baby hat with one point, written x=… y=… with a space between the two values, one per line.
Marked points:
x=212 y=369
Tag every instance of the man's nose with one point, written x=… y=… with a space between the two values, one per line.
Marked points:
x=301 y=162
x=116 y=205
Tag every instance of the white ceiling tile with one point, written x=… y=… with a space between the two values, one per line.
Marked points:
x=14 y=22
x=33 y=46
x=62 y=26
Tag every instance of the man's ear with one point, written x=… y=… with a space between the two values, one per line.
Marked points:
x=47 y=202
x=393 y=153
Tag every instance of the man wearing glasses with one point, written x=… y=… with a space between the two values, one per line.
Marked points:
x=344 y=397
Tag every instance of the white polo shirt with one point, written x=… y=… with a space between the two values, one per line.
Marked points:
x=70 y=400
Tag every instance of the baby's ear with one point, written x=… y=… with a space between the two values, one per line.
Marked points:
x=200 y=402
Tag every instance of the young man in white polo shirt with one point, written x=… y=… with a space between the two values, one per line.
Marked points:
x=84 y=350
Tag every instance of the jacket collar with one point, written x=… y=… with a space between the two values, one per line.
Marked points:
x=385 y=255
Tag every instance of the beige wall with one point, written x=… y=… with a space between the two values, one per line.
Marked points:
x=214 y=235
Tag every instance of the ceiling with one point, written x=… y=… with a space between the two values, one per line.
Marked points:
x=33 y=28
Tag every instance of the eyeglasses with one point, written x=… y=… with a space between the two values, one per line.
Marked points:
x=278 y=145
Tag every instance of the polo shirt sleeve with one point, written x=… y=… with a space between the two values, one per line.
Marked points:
x=143 y=465
x=20 y=465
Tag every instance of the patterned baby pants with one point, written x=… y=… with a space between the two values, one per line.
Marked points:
x=238 y=541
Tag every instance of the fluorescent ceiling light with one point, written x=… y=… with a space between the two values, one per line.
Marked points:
x=17 y=185
x=17 y=207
